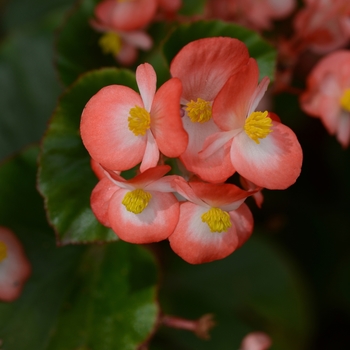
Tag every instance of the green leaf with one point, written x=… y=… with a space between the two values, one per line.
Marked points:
x=192 y=7
x=258 y=48
x=77 y=45
x=65 y=176
x=255 y=289
x=96 y=297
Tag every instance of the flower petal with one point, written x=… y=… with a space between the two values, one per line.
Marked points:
x=100 y=198
x=126 y=15
x=274 y=163
x=193 y=241
x=204 y=65
x=146 y=81
x=230 y=108
x=215 y=168
x=151 y=155
x=156 y=222
x=104 y=128
x=166 y=123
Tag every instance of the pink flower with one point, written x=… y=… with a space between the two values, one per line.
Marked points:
x=213 y=223
x=327 y=95
x=141 y=210
x=323 y=25
x=15 y=268
x=203 y=66
x=121 y=128
x=262 y=150
x=122 y=23
x=256 y=341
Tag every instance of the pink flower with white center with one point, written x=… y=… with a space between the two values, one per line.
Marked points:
x=256 y=341
x=141 y=210
x=203 y=66
x=122 y=22
x=15 y=268
x=262 y=150
x=213 y=223
x=121 y=128
x=327 y=94
x=323 y=25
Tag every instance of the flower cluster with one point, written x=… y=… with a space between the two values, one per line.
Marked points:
x=206 y=116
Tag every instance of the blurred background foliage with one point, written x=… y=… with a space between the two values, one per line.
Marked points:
x=291 y=280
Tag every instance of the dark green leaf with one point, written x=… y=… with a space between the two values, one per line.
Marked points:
x=258 y=48
x=65 y=176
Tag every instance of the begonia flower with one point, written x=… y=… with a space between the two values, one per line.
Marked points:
x=323 y=25
x=140 y=210
x=327 y=94
x=213 y=223
x=262 y=150
x=256 y=341
x=256 y=14
x=122 y=23
x=15 y=268
x=121 y=128
x=203 y=66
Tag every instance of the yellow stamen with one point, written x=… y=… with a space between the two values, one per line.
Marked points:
x=136 y=201
x=139 y=120
x=199 y=111
x=218 y=220
x=258 y=125
x=345 y=100
x=110 y=42
x=3 y=251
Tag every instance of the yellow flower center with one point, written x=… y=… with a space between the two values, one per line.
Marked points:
x=345 y=100
x=258 y=125
x=110 y=42
x=139 y=120
x=3 y=251
x=199 y=111
x=136 y=201
x=218 y=220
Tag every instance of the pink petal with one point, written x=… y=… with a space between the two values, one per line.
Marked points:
x=274 y=163
x=151 y=155
x=15 y=269
x=137 y=39
x=215 y=142
x=100 y=198
x=127 y=54
x=146 y=80
x=164 y=184
x=343 y=132
x=104 y=128
x=204 y=65
x=186 y=191
x=150 y=175
x=215 y=168
x=128 y=15
x=156 y=222
x=166 y=123
x=193 y=241
x=219 y=195
x=230 y=108
x=258 y=94
x=244 y=222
